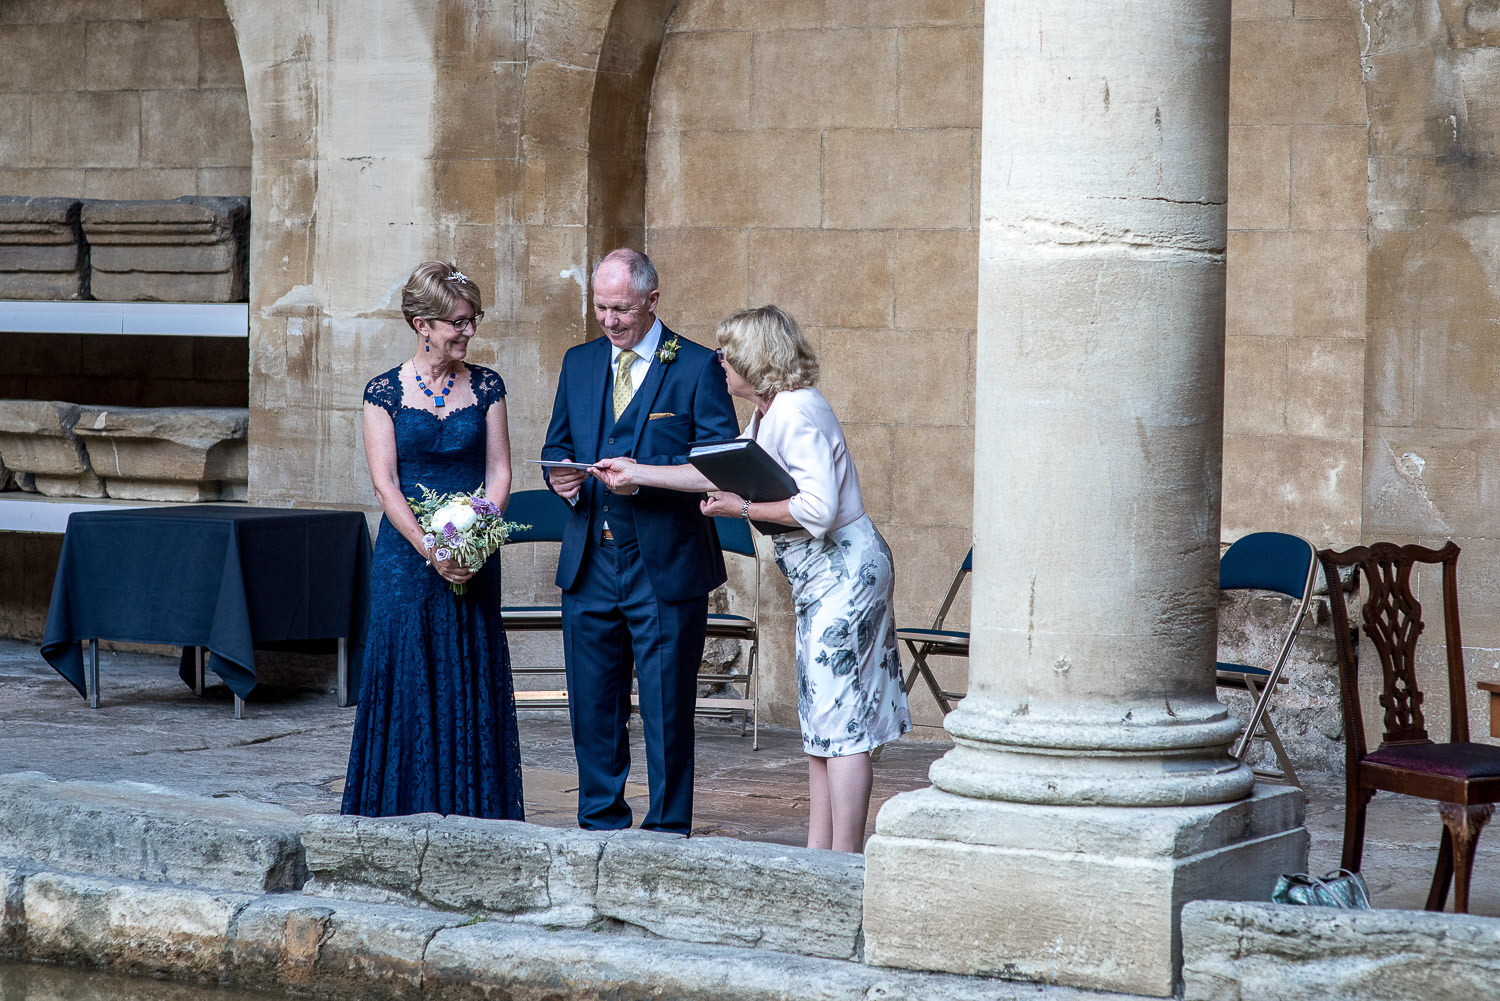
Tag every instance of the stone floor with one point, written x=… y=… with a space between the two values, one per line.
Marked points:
x=292 y=746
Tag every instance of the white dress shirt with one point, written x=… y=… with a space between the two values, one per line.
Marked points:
x=801 y=433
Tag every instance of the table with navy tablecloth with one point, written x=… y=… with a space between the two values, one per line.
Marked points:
x=216 y=577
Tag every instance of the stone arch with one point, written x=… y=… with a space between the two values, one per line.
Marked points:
x=618 y=115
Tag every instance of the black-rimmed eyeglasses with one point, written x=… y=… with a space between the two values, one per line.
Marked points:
x=461 y=323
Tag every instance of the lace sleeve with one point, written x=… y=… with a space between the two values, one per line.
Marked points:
x=488 y=387
x=385 y=392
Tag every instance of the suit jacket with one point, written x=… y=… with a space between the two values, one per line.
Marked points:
x=680 y=402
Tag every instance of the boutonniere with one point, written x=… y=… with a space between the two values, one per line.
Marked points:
x=667 y=353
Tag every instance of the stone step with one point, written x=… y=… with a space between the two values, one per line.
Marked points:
x=131 y=830
x=290 y=943
x=711 y=890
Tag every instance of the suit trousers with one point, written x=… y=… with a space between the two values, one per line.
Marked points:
x=611 y=619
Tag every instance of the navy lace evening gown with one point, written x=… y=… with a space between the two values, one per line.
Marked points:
x=436 y=725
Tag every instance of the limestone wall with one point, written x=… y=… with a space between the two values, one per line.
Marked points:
x=824 y=157
x=121 y=99
x=1432 y=424
x=1295 y=316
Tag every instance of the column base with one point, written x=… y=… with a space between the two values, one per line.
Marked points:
x=1087 y=896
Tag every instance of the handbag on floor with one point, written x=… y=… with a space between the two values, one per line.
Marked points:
x=1340 y=888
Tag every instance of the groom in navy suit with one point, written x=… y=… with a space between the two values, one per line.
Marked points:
x=635 y=570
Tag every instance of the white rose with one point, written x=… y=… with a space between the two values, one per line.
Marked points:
x=459 y=514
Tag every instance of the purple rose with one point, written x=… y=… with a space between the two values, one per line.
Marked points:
x=429 y=540
x=449 y=532
x=441 y=554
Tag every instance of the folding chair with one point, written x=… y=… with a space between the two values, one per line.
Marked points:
x=547 y=514
x=735 y=537
x=1285 y=564
x=938 y=642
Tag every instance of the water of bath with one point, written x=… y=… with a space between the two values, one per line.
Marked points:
x=23 y=982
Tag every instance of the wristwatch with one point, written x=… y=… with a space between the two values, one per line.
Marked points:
x=745 y=510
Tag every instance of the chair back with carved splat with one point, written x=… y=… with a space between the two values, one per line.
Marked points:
x=1462 y=776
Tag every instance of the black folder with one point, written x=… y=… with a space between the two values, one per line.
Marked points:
x=742 y=467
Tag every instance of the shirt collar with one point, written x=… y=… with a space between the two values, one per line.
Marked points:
x=646 y=349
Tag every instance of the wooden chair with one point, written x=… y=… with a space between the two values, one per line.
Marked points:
x=1463 y=777
x=938 y=642
x=1284 y=564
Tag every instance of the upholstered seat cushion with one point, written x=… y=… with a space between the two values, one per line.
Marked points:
x=1461 y=760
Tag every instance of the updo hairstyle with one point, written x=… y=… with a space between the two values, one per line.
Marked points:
x=434 y=289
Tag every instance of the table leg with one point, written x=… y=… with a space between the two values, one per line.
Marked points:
x=91 y=675
x=239 y=707
x=198 y=659
x=343 y=691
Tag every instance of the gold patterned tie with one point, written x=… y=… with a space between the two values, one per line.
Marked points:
x=624 y=388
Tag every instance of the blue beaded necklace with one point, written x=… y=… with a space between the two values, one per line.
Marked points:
x=438 y=399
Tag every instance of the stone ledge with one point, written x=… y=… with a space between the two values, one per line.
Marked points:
x=42 y=253
x=709 y=890
x=135 y=831
x=39 y=448
x=168 y=453
x=1276 y=952
x=189 y=249
x=289 y=943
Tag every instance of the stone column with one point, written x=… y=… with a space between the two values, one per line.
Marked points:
x=1090 y=792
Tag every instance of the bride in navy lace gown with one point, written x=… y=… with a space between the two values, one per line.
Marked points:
x=436 y=725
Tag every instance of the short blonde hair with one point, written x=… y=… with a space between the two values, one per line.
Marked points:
x=767 y=348
x=434 y=289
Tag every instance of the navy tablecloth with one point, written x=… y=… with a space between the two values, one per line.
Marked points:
x=224 y=578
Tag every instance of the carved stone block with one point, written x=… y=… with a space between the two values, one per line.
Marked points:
x=42 y=253
x=38 y=445
x=190 y=249
x=168 y=453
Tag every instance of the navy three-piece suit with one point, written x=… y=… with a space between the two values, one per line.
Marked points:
x=641 y=597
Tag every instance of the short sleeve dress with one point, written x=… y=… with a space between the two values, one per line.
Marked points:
x=436 y=724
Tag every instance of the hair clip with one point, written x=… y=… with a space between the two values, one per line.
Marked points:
x=457 y=276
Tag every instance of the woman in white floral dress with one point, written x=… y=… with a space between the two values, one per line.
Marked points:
x=849 y=694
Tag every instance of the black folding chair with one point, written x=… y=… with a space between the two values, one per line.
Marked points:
x=937 y=642
x=1285 y=564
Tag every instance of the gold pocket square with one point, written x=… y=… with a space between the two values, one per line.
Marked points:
x=654 y=417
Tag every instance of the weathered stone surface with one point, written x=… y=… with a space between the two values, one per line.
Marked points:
x=1274 y=952
x=368 y=859
x=167 y=453
x=38 y=445
x=42 y=253
x=515 y=961
x=276 y=939
x=12 y=914
x=715 y=890
x=520 y=871
x=136 y=927
x=1127 y=873
x=136 y=831
x=190 y=249
x=537 y=874
x=738 y=893
x=332 y=947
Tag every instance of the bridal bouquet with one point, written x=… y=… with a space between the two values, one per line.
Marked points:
x=465 y=526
